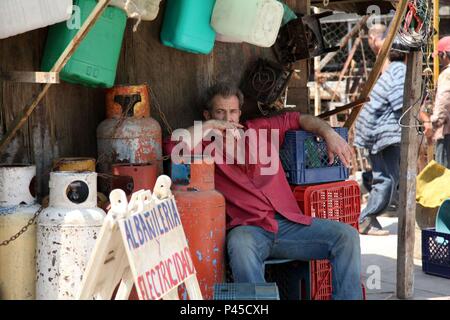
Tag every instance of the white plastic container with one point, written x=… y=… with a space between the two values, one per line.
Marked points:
x=222 y=38
x=143 y=9
x=254 y=21
x=66 y=234
x=18 y=16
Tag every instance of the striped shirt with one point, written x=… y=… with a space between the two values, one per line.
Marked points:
x=377 y=125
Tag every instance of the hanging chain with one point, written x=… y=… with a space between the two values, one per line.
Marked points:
x=161 y=113
x=23 y=229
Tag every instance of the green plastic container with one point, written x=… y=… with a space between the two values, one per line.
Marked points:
x=186 y=25
x=94 y=63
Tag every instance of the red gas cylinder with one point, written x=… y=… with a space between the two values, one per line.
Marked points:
x=129 y=134
x=202 y=212
x=134 y=177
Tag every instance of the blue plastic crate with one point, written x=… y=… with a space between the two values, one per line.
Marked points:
x=305 y=159
x=436 y=253
x=246 y=291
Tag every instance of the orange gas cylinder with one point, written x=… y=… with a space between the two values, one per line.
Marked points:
x=129 y=134
x=202 y=212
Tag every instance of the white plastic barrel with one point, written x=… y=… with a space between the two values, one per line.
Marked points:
x=254 y=21
x=18 y=16
x=66 y=234
x=144 y=9
x=17 y=207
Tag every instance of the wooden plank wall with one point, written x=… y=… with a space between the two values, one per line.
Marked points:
x=64 y=124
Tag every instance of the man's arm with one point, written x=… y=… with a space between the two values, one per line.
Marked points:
x=440 y=110
x=193 y=138
x=335 y=143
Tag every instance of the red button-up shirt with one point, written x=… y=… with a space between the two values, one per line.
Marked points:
x=253 y=198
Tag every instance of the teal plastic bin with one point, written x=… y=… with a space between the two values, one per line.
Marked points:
x=187 y=27
x=94 y=63
x=443 y=218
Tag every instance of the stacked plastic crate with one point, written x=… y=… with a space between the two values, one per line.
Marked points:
x=322 y=191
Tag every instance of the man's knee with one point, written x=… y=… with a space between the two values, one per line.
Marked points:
x=348 y=235
x=241 y=238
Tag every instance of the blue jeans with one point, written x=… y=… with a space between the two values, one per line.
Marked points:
x=385 y=171
x=443 y=151
x=249 y=246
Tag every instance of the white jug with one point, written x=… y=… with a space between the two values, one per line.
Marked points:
x=254 y=21
x=19 y=16
x=139 y=9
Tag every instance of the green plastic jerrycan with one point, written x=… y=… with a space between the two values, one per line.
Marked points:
x=94 y=63
x=187 y=27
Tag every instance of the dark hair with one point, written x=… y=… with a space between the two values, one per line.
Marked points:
x=223 y=89
x=395 y=55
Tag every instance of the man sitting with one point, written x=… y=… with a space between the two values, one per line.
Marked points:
x=263 y=218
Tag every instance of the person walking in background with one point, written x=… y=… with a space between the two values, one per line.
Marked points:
x=377 y=129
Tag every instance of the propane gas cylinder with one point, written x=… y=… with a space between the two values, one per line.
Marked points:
x=66 y=234
x=129 y=134
x=17 y=207
x=77 y=164
x=134 y=177
x=202 y=212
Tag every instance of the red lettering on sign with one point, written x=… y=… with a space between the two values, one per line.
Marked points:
x=150 y=285
x=173 y=282
x=158 y=295
x=164 y=276
x=161 y=284
x=189 y=263
x=142 y=288
x=179 y=263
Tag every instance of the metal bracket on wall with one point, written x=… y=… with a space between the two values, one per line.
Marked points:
x=30 y=76
x=59 y=65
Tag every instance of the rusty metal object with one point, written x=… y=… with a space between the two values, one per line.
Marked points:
x=202 y=212
x=143 y=177
x=129 y=135
x=74 y=164
x=134 y=98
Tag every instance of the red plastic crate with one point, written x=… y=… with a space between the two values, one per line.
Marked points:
x=339 y=201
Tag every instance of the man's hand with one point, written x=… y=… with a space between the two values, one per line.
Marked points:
x=428 y=129
x=337 y=146
x=222 y=126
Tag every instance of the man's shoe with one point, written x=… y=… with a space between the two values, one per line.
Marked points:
x=371 y=226
x=372 y=231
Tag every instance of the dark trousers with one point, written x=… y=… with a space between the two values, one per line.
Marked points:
x=385 y=171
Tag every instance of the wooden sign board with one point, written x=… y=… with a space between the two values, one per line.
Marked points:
x=141 y=242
